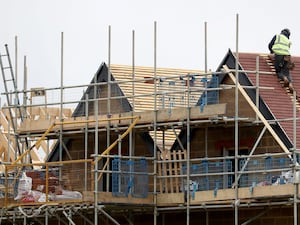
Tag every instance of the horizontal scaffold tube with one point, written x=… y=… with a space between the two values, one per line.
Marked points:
x=38 y=143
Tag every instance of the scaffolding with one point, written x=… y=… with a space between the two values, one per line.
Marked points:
x=107 y=175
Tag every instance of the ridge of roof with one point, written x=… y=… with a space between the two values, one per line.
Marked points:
x=260 y=54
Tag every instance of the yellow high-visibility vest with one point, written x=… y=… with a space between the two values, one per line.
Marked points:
x=282 y=45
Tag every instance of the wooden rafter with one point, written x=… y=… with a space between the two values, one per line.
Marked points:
x=8 y=142
x=256 y=110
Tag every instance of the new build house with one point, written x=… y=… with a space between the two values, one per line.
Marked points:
x=146 y=145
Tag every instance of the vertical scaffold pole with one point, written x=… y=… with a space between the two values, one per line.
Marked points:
x=61 y=109
x=86 y=140
x=295 y=158
x=188 y=153
x=155 y=124
x=61 y=96
x=131 y=145
x=96 y=154
x=205 y=47
x=205 y=63
x=257 y=86
x=236 y=124
x=133 y=70
x=16 y=59
x=108 y=101
x=25 y=88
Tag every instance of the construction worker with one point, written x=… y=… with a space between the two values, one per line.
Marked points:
x=280 y=46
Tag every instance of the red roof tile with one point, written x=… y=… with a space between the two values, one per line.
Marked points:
x=278 y=99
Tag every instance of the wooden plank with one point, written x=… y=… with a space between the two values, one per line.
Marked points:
x=49 y=111
x=207 y=196
x=8 y=148
x=163 y=116
x=180 y=157
x=159 y=165
x=3 y=121
x=170 y=199
x=170 y=171
x=141 y=71
x=3 y=155
x=107 y=197
x=164 y=172
x=257 y=193
x=35 y=156
x=174 y=154
x=270 y=191
x=6 y=131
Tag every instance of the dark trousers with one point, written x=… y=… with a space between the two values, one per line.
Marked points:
x=281 y=67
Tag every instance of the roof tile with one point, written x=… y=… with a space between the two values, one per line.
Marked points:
x=278 y=99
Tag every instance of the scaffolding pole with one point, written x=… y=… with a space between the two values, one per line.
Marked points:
x=96 y=152
x=155 y=214
x=236 y=133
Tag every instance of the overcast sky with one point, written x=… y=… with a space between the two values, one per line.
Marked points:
x=180 y=33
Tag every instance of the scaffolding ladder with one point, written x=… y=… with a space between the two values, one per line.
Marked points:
x=10 y=85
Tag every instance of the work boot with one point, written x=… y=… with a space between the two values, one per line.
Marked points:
x=285 y=82
x=291 y=88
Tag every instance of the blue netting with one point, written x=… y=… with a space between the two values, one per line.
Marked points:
x=6 y=180
x=140 y=179
x=202 y=176
x=209 y=97
x=261 y=167
x=129 y=177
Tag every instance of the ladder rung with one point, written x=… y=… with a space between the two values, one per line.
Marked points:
x=9 y=80
x=6 y=67
x=3 y=55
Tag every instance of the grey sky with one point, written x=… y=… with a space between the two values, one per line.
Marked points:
x=180 y=33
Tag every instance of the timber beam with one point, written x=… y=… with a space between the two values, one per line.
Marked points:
x=163 y=116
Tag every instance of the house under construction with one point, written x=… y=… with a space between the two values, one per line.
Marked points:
x=147 y=145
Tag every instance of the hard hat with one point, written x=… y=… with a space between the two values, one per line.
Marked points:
x=286 y=32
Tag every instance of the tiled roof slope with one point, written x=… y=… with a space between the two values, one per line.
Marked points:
x=278 y=99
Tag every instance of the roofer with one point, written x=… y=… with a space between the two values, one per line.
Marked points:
x=280 y=46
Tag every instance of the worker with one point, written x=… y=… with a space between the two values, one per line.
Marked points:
x=280 y=46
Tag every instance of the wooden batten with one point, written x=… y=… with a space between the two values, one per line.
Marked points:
x=169 y=169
